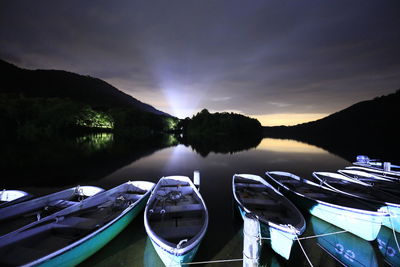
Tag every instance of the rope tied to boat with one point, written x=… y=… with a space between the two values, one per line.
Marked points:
x=394 y=233
x=298 y=240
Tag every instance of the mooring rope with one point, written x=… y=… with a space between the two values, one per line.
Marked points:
x=394 y=233
x=309 y=237
x=214 y=261
x=268 y=238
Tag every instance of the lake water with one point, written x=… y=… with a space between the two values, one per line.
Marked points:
x=224 y=236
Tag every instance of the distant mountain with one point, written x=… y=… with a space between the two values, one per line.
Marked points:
x=370 y=126
x=57 y=83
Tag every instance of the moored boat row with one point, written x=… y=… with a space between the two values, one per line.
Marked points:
x=67 y=227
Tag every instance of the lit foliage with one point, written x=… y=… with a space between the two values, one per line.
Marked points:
x=94 y=119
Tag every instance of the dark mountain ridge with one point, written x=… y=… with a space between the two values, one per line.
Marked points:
x=62 y=84
x=366 y=127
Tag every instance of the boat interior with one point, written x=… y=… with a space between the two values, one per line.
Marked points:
x=265 y=202
x=367 y=192
x=319 y=192
x=52 y=235
x=36 y=212
x=176 y=213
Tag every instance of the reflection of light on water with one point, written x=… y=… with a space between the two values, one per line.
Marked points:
x=96 y=141
x=176 y=157
x=283 y=145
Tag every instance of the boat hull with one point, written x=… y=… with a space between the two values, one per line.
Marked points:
x=364 y=225
x=281 y=242
x=170 y=259
x=346 y=248
x=88 y=247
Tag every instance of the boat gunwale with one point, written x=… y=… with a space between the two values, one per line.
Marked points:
x=99 y=230
x=363 y=174
x=391 y=204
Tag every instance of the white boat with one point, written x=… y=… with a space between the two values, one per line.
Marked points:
x=68 y=237
x=359 y=189
x=21 y=214
x=355 y=215
x=383 y=169
x=11 y=197
x=382 y=183
x=280 y=221
x=176 y=219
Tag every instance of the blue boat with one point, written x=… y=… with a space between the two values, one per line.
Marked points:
x=346 y=248
x=280 y=221
x=22 y=214
x=11 y=197
x=358 y=189
x=70 y=236
x=357 y=216
x=176 y=219
x=388 y=246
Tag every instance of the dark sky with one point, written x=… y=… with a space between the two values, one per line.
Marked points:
x=254 y=57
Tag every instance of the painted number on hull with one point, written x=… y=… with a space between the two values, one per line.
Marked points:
x=348 y=254
x=391 y=252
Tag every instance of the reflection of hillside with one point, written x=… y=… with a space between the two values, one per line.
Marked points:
x=70 y=161
x=221 y=144
x=347 y=148
x=367 y=127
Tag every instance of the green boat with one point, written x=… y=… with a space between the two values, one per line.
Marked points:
x=68 y=237
x=346 y=248
x=280 y=221
x=355 y=215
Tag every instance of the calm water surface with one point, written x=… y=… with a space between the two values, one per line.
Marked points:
x=224 y=236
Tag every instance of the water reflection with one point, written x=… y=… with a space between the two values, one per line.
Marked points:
x=63 y=162
x=285 y=145
x=346 y=248
x=96 y=141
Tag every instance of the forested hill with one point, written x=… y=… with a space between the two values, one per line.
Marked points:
x=62 y=84
x=361 y=128
x=375 y=117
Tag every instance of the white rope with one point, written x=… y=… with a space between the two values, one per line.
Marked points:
x=313 y=236
x=304 y=252
x=214 y=261
x=394 y=233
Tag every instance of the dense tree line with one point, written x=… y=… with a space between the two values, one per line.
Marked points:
x=211 y=124
x=36 y=117
x=224 y=132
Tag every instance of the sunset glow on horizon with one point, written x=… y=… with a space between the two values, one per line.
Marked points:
x=288 y=119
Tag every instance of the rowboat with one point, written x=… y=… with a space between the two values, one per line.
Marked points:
x=384 y=169
x=355 y=215
x=346 y=248
x=280 y=221
x=176 y=219
x=380 y=182
x=358 y=189
x=70 y=236
x=21 y=214
x=11 y=197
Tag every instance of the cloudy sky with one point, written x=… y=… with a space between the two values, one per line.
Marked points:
x=283 y=62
